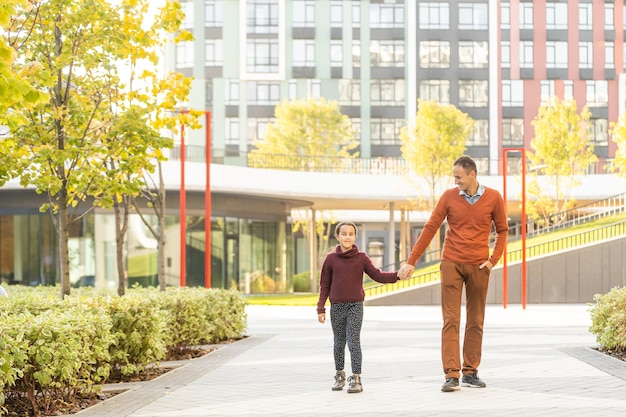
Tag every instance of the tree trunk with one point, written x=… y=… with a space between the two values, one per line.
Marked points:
x=121 y=226
x=161 y=235
x=64 y=255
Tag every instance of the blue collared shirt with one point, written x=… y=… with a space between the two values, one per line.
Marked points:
x=473 y=199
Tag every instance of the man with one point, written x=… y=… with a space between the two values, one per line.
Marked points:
x=470 y=210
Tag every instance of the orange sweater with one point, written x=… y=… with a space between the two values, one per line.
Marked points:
x=469 y=228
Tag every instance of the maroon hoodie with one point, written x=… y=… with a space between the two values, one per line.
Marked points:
x=341 y=278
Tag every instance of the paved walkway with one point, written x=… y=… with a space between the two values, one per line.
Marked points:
x=536 y=362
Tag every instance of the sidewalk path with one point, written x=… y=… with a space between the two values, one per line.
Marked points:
x=536 y=362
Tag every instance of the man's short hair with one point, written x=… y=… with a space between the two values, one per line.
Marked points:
x=467 y=163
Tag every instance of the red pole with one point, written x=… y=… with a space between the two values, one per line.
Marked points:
x=523 y=229
x=207 y=205
x=505 y=270
x=183 y=209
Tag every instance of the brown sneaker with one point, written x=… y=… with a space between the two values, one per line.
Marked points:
x=354 y=384
x=340 y=381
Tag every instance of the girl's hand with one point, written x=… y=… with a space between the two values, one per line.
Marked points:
x=321 y=317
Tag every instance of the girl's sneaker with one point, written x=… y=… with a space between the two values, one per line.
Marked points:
x=340 y=381
x=354 y=384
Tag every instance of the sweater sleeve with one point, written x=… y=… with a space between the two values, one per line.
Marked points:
x=325 y=280
x=430 y=229
x=502 y=229
x=376 y=274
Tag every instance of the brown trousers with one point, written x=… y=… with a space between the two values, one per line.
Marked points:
x=476 y=281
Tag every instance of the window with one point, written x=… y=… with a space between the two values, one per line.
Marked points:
x=303 y=14
x=386 y=131
x=599 y=132
x=505 y=54
x=609 y=55
x=585 y=16
x=187 y=22
x=435 y=90
x=356 y=127
x=213 y=15
x=257 y=129
x=262 y=55
x=214 y=53
x=292 y=89
x=314 y=88
x=434 y=54
x=547 y=90
x=526 y=54
x=303 y=52
x=473 y=16
x=336 y=53
x=473 y=93
x=434 y=15
x=231 y=131
x=473 y=54
x=526 y=15
x=568 y=90
x=512 y=132
x=556 y=16
x=349 y=92
x=585 y=55
x=387 y=15
x=356 y=54
x=232 y=92
x=387 y=53
x=184 y=54
x=505 y=15
x=336 y=14
x=263 y=93
x=262 y=16
x=480 y=133
x=556 y=54
x=597 y=93
x=387 y=92
x=512 y=93
x=609 y=16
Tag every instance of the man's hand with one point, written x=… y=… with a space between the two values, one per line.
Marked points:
x=321 y=317
x=406 y=271
x=487 y=264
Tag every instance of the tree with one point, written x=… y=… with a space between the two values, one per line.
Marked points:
x=89 y=142
x=561 y=150
x=438 y=139
x=306 y=135
x=618 y=132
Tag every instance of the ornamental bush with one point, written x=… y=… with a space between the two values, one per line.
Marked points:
x=608 y=318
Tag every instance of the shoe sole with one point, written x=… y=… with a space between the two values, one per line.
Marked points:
x=337 y=389
x=474 y=386
x=354 y=391
x=450 y=389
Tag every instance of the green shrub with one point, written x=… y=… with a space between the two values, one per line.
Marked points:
x=608 y=318
x=302 y=282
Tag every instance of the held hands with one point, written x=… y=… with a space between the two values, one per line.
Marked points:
x=321 y=317
x=405 y=271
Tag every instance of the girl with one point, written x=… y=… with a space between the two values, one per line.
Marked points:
x=341 y=281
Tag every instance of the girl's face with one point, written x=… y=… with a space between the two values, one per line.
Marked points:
x=346 y=237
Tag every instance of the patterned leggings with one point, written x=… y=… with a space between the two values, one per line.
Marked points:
x=346 y=320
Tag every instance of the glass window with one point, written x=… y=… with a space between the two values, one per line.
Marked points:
x=184 y=54
x=568 y=90
x=556 y=54
x=434 y=54
x=387 y=53
x=386 y=131
x=263 y=92
x=356 y=13
x=547 y=90
x=213 y=15
x=585 y=16
x=187 y=22
x=356 y=53
x=505 y=54
x=526 y=54
x=435 y=90
x=336 y=53
x=387 y=15
x=556 y=16
x=314 y=88
x=232 y=92
x=262 y=55
x=473 y=54
x=480 y=133
x=473 y=16
x=526 y=15
x=257 y=128
x=512 y=132
x=231 y=131
x=303 y=52
x=473 y=93
x=597 y=93
x=292 y=89
x=505 y=15
x=434 y=15
x=512 y=93
x=599 y=132
x=303 y=13
x=585 y=54
x=214 y=53
x=609 y=16
x=387 y=92
x=262 y=16
x=356 y=128
x=336 y=13
x=609 y=55
x=349 y=92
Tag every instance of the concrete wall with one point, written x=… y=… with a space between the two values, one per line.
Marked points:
x=573 y=276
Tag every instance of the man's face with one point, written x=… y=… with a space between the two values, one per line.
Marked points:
x=462 y=178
